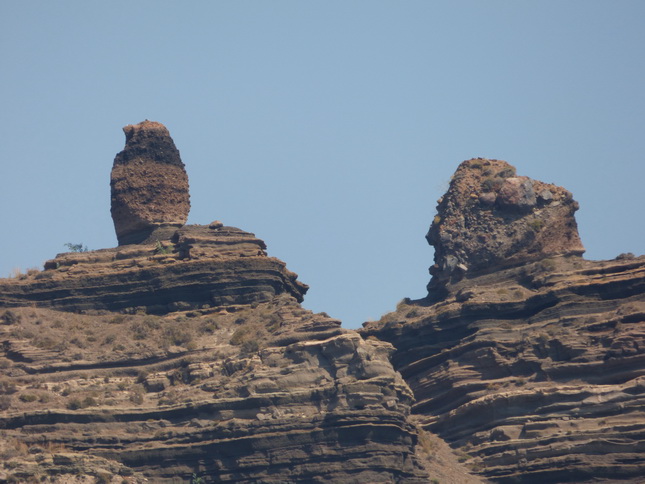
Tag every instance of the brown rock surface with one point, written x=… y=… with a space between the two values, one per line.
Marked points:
x=267 y=392
x=149 y=184
x=187 y=356
x=533 y=371
x=489 y=217
x=193 y=267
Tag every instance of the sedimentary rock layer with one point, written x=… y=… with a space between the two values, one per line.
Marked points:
x=263 y=393
x=149 y=184
x=536 y=373
x=525 y=357
x=194 y=267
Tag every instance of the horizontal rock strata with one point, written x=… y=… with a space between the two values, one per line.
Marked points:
x=258 y=393
x=194 y=267
x=536 y=373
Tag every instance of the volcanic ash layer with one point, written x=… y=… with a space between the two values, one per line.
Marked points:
x=524 y=357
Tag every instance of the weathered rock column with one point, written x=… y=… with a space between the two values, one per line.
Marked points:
x=149 y=184
x=490 y=217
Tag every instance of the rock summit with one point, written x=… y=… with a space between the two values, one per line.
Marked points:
x=149 y=184
x=490 y=217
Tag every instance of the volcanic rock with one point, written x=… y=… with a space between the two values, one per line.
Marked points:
x=183 y=354
x=149 y=184
x=526 y=358
x=490 y=218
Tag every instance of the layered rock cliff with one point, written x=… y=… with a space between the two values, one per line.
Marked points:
x=186 y=357
x=267 y=392
x=187 y=268
x=526 y=358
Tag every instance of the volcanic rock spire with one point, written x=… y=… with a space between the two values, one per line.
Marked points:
x=489 y=217
x=149 y=184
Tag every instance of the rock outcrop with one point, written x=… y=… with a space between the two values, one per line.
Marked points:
x=531 y=362
x=149 y=184
x=193 y=267
x=183 y=355
x=490 y=218
x=267 y=392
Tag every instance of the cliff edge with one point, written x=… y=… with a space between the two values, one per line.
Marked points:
x=526 y=358
x=184 y=355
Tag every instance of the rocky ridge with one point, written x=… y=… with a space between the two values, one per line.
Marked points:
x=188 y=268
x=186 y=356
x=529 y=360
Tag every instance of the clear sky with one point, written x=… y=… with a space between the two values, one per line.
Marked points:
x=327 y=128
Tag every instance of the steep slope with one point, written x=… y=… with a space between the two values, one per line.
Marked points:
x=528 y=359
x=267 y=392
x=186 y=356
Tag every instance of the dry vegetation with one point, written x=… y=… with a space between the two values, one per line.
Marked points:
x=66 y=362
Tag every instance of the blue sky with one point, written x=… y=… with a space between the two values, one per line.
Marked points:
x=329 y=129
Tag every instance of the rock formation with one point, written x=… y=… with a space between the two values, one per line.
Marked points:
x=529 y=360
x=490 y=218
x=194 y=267
x=186 y=356
x=149 y=184
x=267 y=392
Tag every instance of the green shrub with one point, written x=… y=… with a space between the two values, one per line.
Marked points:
x=28 y=397
x=77 y=403
x=9 y=317
x=177 y=335
x=136 y=396
x=7 y=387
x=507 y=172
x=161 y=249
x=492 y=184
x=251 y=346
x=76 y=247
x=74 y=404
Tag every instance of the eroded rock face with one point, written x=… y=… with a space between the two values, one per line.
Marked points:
x=193 y=267
x=535 y=372
x=149 y=184
x=525 y=357
x=264 y=392
x=490 y=217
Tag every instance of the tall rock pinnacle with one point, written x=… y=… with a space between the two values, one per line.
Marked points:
x=489 y=217
x=149 y=184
